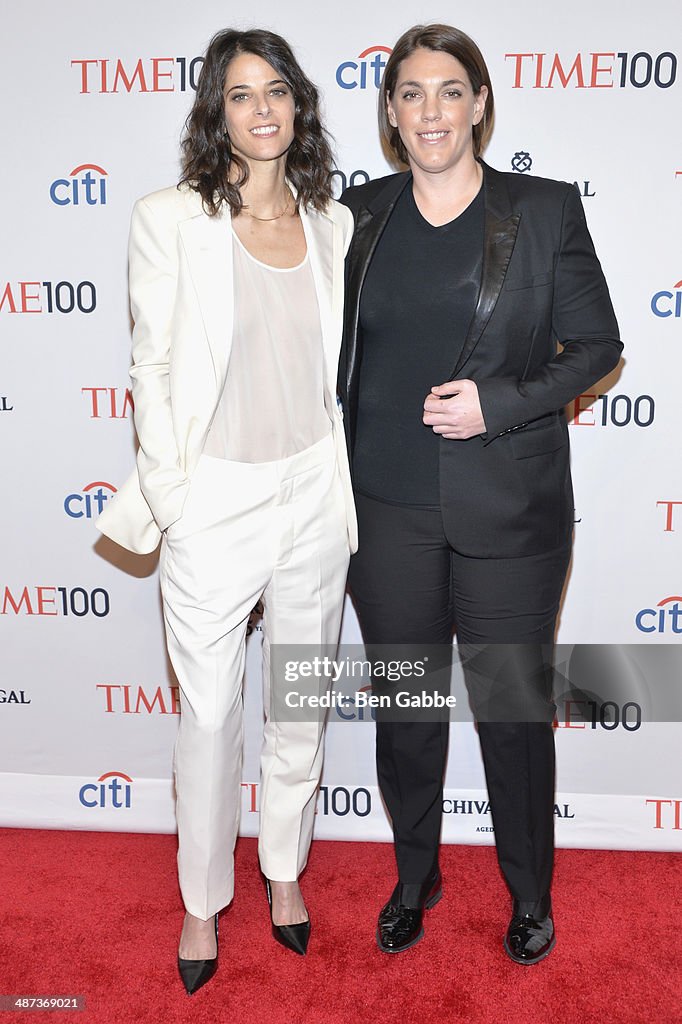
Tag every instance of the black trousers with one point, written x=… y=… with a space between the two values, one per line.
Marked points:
x=410 y=587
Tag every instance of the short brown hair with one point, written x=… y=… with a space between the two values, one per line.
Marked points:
x=457 y=44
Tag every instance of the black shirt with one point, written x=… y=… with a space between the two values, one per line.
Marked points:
x=417 y=302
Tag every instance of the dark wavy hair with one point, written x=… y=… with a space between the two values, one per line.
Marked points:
x=457 y=44
x=207 y=152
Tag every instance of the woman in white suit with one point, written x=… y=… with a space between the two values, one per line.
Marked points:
x=236 y=280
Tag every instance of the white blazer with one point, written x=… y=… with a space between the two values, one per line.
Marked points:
x=180 y=275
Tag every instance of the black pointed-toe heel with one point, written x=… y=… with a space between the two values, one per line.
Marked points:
x=291 y=936
x=195 y=973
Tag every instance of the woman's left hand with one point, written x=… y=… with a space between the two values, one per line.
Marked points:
x=457 y=417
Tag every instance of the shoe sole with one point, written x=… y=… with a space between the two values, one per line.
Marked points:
x=427 y=906
x=526 y=962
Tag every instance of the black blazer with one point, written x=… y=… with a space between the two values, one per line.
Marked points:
x=507 y=492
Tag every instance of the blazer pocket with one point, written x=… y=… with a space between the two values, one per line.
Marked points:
x=537 y=441
x=516 y=284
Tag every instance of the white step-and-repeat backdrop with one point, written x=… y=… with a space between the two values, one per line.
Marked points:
x=93 y=103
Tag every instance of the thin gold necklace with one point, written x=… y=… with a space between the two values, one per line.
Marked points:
x=268 y=219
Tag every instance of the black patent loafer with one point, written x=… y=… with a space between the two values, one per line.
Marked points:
x=195 y=973
x=529 y=940
x=400 y=927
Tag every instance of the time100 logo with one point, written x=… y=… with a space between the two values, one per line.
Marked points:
x=341 y=801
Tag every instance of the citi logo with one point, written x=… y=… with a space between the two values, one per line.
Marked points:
x=355 y=74
x=664 y=618
x=90 y=502
x=665 y=304
x=113 y=789
x=86 y=184
x=354 y=711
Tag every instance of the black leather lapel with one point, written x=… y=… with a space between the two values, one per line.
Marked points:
x=501 y=227
x=369 y=226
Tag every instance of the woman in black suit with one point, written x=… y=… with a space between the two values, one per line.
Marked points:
x=460 y=282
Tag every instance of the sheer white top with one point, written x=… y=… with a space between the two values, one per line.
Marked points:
x=272 y=405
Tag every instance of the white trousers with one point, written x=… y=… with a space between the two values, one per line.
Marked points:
x=276 y=531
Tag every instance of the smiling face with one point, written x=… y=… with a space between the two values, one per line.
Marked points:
x=259 y=109
x=434 y=108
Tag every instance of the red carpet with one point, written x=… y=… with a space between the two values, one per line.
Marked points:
x=99 y=914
